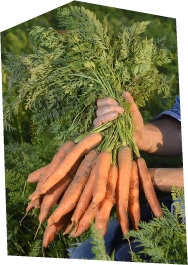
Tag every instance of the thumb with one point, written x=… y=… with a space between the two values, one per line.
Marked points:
x=127 y=96
x=133 y=107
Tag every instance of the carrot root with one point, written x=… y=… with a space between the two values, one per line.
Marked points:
x=148 y=187
x=88 y=143
x=134 y=202
x=122 y=188
x=75 y=189
x=101 y=176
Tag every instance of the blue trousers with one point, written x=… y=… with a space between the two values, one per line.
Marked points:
x=114 y=241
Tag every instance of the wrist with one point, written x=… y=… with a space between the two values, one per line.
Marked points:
x=152 y=138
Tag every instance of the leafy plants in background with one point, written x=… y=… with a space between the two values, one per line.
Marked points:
x=158 y=241
x=45 y=92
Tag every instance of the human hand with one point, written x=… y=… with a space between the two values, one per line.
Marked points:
x=109 y=109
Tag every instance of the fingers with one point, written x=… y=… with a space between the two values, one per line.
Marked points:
x=106 y=102
x=110 y=116
x=108 y=110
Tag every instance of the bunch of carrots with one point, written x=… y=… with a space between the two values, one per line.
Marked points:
x=85 y=179
x=103 y=167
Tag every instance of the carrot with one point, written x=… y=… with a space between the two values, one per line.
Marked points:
x=148 y=187
x=32 y=204
x=103 y=212
x=49 y=234
x=134 y=202
x=35 y=202
x=56 y=160
x=122 y=187
x=81 y=148
x=85 y=197
x=35 y=175
x=101 y=176
x=50 y=168
x=75 y=189
x=36 y=196
x=52 y=230
x=52 y=196
x=85 y=221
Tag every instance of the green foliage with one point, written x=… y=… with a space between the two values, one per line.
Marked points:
x=21 y=118
x=98 y=245
x=162 y=240
x=45 y=102
x=76 y=67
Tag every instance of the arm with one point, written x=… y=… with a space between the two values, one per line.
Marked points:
x=161 y=137
x=164 y=137
x=165 y=178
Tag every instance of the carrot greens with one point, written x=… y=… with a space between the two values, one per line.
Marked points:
x=60 y=82
x=109 y=64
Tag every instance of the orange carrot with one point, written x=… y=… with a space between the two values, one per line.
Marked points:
x=105 y=207
x=134 y=202
x=35 y=175
x=101 y=176
x=49 y=234
x=81 y=148
x=57 y=159
x=85 y=197
x=34 y=195
x=75 y=189
x=52 y=230
x=35 y=202
x=52 y=196
x=123 y=184
x=49 y=169
x=32 y=204
x=148 y=187
x=85 y=221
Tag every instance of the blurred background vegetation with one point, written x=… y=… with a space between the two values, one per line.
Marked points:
x=24 y=154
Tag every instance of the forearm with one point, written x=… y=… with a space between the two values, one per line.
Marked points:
x=163 y=137
x=165 y=178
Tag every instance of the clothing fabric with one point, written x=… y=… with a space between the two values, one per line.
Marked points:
x=114 y=238
x=173 y=112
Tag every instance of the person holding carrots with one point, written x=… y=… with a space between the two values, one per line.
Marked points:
x=161 y=136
